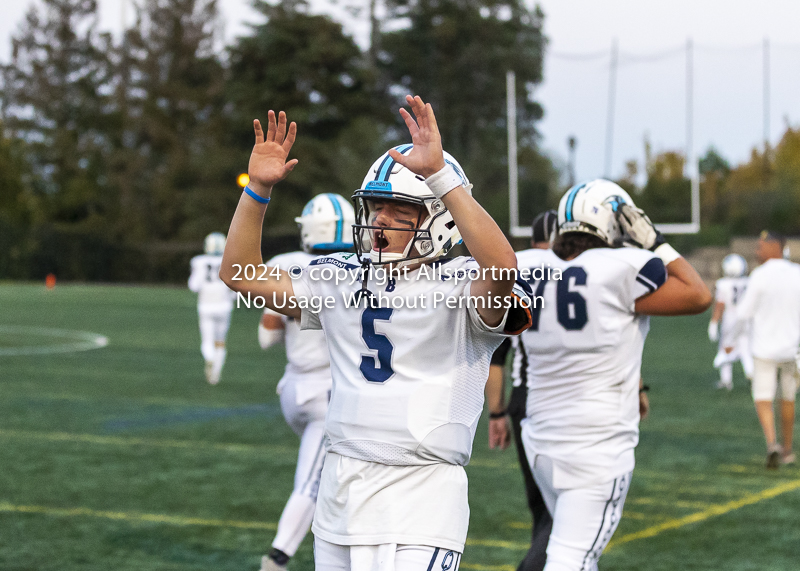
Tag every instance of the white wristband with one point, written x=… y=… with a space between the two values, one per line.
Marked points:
x=667 y=253
x=444 y=181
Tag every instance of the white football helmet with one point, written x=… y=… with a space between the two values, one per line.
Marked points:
x=436 y=232
x=591 y=207
x=734 y=266
x=326 y=224
x=214 y=244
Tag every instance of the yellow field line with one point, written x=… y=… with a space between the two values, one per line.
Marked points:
x=677 y=504
x=513 y=545
x=712 y=511
x=188 y=444
x=179 y=520
x=136 y=516
x=480 y=567
x=127 y=441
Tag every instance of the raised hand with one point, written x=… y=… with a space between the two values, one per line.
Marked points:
x=268 y=164
x=427 y=157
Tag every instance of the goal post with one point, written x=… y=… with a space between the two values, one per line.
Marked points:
x=518 y=230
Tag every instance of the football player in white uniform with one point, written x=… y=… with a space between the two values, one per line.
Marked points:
x=325 y=227
x=214 y=304
x=584 y=354
x=410 y=349
x=734 y=342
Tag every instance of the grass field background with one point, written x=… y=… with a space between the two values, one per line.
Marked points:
x=124 y=458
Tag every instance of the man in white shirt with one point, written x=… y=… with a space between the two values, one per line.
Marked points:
x=408 y=373
x=772 y=302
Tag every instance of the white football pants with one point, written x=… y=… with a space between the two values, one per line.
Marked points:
x=213 y=330
x=308 y=422
x=584 y=519
x=741 y=352
x=386 y=557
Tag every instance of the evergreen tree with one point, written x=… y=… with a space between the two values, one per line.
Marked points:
x=455 y=54
x=305 y=65
x=55 y=101
x=174 y=172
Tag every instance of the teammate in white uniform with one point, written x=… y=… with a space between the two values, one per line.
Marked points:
x=304 y=389
x=407 y=381
x=214 y=305
x=734 y=342
x=772 y=303
x=584 y=353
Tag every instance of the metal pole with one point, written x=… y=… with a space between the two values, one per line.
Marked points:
x=689 y=109
x=571 y=144
x=511 y=120
x=692 y=164
x=766 y=94
x=123 y=16
x=612 y=89
x=765 y=167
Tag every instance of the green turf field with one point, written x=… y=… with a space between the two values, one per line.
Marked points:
x=124 y=458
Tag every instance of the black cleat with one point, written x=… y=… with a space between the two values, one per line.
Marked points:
x=773 y=460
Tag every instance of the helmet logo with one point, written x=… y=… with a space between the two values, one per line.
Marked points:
x=379 y=185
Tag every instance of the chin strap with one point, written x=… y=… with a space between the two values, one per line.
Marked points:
x=366 y=264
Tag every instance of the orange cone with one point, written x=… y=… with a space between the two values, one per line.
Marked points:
x=50 y=281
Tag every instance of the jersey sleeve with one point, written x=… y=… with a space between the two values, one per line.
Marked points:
x=196 y=276
x=303 y=287
x=747 y=306
x=476 y=319
x=518 y=316
x=651 y=276
x=722 y=292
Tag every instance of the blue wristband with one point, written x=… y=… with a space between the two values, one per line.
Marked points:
x=255 y=197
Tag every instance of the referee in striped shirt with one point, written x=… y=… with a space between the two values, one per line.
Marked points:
x=545 y=229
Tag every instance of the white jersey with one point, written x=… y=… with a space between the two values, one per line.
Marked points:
x=730 y=291
x=584 y=354
x=772 y=301
x=408 y=384
x=308 y=363
x=213 y=295
x=408 y=381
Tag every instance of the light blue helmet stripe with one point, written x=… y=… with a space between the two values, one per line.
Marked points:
x=333 y=246
x=337 y=208
x=571 y=199
x=388 y=163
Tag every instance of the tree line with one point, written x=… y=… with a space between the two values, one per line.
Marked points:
x=761 y=193
x=117 y=156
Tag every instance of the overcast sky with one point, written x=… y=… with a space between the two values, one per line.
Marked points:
x=651 y=93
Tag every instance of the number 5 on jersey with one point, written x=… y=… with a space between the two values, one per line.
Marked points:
x=376 y=369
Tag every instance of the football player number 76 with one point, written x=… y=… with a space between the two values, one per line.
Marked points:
x=376 y=369
x=570 y=305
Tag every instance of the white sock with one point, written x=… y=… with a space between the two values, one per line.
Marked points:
x=219 y=360
x=726 y=374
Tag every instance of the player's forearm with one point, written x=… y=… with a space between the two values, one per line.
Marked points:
x=696 y=295
x=719 y=309
x=486 y=242
x=243 y=246
x=494 y=390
